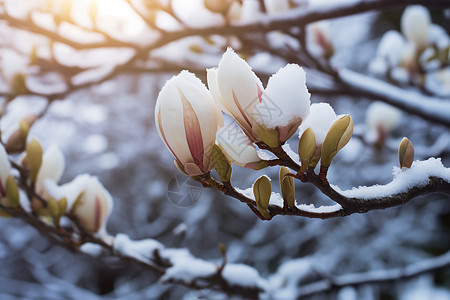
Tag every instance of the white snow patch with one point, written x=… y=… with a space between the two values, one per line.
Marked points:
x=141 y=250
x=242 y=275
x=294 y=156
x=404 y=179
x=185 y=267
x=91 y=249
x=320 y=209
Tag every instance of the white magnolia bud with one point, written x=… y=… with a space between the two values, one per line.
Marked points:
x=94 y=206
x=87 y=199
x=187 y=120
x=273 y=113
x=381 y=119
x=51 y=168
x=414 y=24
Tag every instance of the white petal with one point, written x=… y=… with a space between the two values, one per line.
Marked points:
x=5 y=166
x=52 y=167
x=391 y=47
x=235 y=75
x=286 y=98
x=414 y=24
x=236 y=145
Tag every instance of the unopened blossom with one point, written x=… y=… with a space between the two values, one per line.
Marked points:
x=239 y=92
x=5 y=170
x=187 y=120
x=381 y=119
x=414 y=24
x=319 y=41
x=52 y=168
x=276 y=6
x=87 y=199
x=320 y=119
x=238 y=148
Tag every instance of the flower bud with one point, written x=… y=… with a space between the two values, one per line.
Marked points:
x=270 y=115
x=16 y=142
x=320 y=119
x=306 y=148
x=12 y=192
x=93 y=206
x=415 y=23
x=221 y=164
x=405 y=153
x=34 y=158
x=381 y=119
x=262 y=191
x=51 y=168
x=319 y=42
x=287 y=186
x=337 y=137
x=187 y=120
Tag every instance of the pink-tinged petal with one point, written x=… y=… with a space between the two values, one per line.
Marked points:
x=236 y=101
x=285 y=132
x=193 y=132
x=192 y=169
x=163 y=135
x=259 y=93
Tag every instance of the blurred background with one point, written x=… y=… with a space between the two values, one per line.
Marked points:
x=107 y=129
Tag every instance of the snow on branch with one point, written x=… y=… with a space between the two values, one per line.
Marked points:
x=430 y=108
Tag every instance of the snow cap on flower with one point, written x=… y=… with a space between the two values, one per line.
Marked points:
x=271 y=115
x=391 y=47
x=51 y=168
x=5 y=170
x=187 y=120
x=414 y=24
x=320 y=119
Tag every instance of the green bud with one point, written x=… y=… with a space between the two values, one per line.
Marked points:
x=34 y=158
x=306 y=148
x=18 y=84
x=262 y=191
x=268 y=135
x=217 y=6
x=405 y=153
x=195 y=48
x=62 y=205
x=221 y=164
x=337 y=137
x=287 y=186
x=76 y=202
x=12 y=192
x=222 y=248
x=54 y=210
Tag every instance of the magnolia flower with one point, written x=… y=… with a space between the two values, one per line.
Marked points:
x=51 y=168
x=381 y=119
x=319 y=42
x=238 y=148
x=414 y=24
x=14 y=68
x=187 y=120
x=239 y=92
x=87 y=199
x=5 y=170
x=320 y=119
